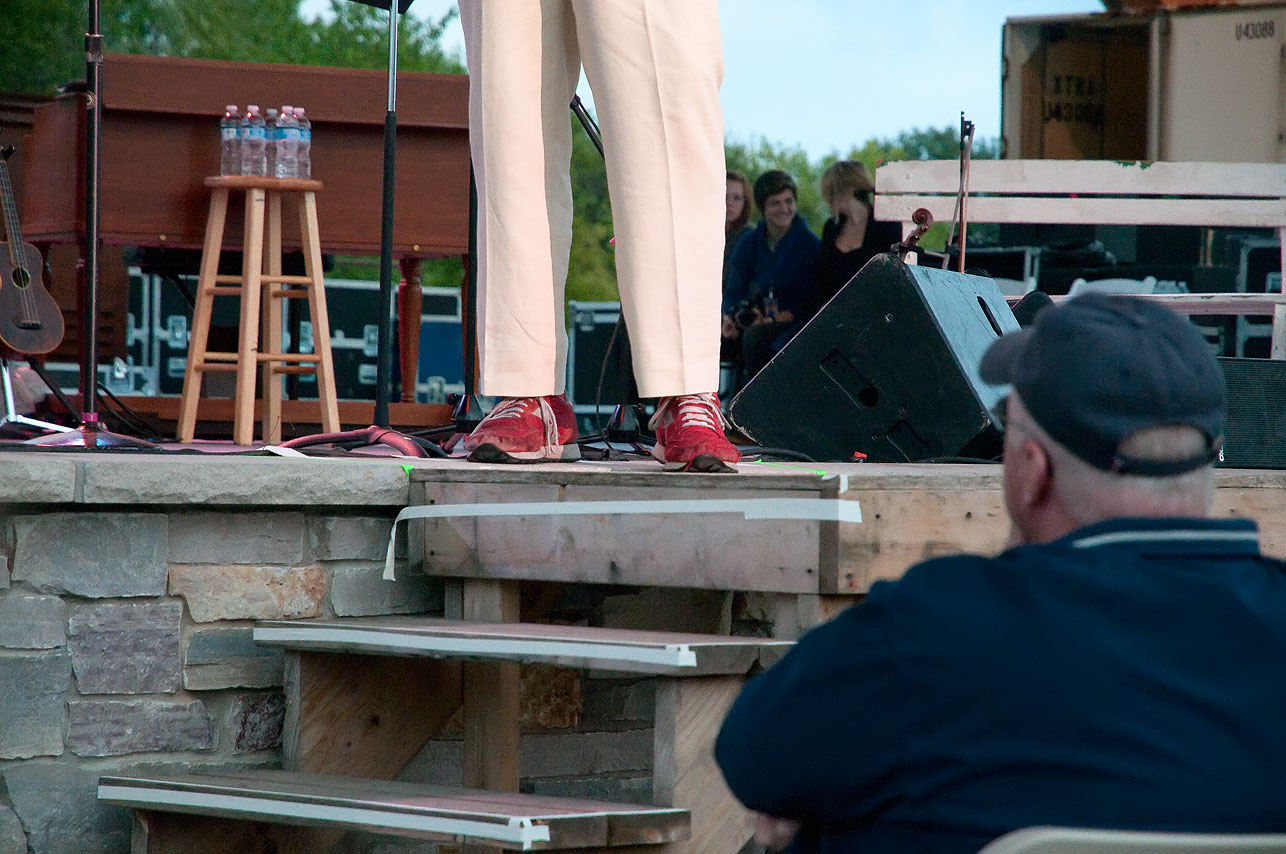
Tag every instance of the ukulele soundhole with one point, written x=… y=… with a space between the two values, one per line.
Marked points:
x=21 y=278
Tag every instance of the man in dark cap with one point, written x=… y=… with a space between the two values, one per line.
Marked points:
x=1118 y=666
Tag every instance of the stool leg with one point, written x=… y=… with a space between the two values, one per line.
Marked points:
x=270 y=337
x=317 y=312
x=201 y=313
x=243 y=424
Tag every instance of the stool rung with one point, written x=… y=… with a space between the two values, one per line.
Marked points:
x=216 y=356
x=226 y=367
x=227 y=279
x=224 y=292
x=285 y=280
x=284 y=293
x=288 y=357
x=293 y=369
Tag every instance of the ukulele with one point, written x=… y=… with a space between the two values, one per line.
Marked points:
x=31 y=323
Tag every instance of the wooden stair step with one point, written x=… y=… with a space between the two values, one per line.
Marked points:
x=513 y=821
x=665 y=653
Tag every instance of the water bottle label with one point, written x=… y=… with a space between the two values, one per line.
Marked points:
x=290 y=133
x=255 y=133
x=306 y=134
x=228 y=134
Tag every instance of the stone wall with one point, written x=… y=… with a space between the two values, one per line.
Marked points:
x=125 y=618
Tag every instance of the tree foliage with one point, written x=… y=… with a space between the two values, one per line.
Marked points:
x=42 y=41
x=41 y=46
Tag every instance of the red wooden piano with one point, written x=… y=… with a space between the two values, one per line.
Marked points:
x=160 y=140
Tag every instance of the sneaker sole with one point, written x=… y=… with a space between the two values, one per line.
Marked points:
x=488 y=453
x=703 y=464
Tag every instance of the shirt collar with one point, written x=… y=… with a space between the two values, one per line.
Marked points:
x=1171 y=536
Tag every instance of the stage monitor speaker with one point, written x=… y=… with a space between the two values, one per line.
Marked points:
x=1255 y=434
x=887 y=368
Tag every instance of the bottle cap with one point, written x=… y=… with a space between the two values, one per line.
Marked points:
x=231 y=108
x=286 y=108
x=253 y=108
x=299 y=111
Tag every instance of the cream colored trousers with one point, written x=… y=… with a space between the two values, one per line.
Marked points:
x=655 y=67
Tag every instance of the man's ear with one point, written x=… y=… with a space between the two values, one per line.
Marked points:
x=1035 y=484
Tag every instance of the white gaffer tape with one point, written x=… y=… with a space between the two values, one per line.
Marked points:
x=809 y=509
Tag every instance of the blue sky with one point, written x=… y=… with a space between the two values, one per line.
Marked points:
x=825 y=75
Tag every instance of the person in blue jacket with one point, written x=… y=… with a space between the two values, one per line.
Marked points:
x=770 y=282
x=1118 y=666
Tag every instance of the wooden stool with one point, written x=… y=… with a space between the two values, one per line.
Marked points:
x=259 y=340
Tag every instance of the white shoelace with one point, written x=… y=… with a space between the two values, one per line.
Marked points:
x=516 y=407
x=697 y=410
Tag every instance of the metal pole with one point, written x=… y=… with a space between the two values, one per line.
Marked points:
x=384 y=341
x=89 y=251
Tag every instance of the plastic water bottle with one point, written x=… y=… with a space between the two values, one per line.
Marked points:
x=254 y=149
x=272 y=140
x=304 y=149
x=230 y=141
x=287 y=144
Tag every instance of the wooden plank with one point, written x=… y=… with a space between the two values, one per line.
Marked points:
x=492 y=694
x=355 y=715
x=1106 y=177
x=720 y=551
x=903 y=527
x=689 y=713
x=400 y=809
x=1248 y=213
x=295 y=413
x=672 y=653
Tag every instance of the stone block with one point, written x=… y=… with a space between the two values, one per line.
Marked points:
x=541 y=755
x=126 y=647
x=32 y=622
x=59 y=807
x=352 y=538
x=13 y=839
x=237 y=538
x=37 y=479
x=359 y=590
x=117 y=727
x=619 y=790
x=227 y=657
x=4 y=572
x=33 y=691
x=98 y=555
x=255 y=721
x=190 y=481
x=249 y=592
x=617 y=703
x=584 y=754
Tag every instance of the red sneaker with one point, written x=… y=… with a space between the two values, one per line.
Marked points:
x=689 y=434
x=525 y=430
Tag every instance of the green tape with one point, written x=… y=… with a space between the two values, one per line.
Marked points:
x=408 y=468
x=819 y=472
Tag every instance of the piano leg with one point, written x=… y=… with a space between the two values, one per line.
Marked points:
x=410 y=302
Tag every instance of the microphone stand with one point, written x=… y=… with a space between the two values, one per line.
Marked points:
x=380 y=433
x=89 y=434
x=623 y=427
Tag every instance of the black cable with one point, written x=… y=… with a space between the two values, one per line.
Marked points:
x=128 y=417
x=784 y=453
x=602 y=376
x=967 y=460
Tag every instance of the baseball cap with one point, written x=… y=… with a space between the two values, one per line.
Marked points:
x=1097 y=369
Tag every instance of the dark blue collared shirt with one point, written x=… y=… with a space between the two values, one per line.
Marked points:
x=1129 y=675
x=788 y=269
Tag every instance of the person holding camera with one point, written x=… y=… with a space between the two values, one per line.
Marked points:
x=772 y=275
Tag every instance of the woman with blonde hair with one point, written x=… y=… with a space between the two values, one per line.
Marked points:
x=736 y=221
x=852 y=236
